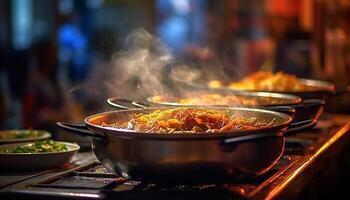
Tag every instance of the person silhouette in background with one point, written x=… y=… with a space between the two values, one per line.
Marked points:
x=43 y=102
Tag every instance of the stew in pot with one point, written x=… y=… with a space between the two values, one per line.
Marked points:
x=188 y=120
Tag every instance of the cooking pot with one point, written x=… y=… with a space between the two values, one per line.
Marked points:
x=187 y=157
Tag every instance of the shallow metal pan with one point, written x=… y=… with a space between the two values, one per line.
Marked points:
x=186 y=157
x=199 y=80
x=304 y=110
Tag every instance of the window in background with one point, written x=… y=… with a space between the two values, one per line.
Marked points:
x=182 y=22
x=21 y=24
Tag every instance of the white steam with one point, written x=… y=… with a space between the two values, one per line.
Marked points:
x=140 y=68
x=137 y=71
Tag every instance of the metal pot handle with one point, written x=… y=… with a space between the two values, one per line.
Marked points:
x=298 y=126
x=250 y=137
x=293 y=128
x=230 y=144
x=125 y=104
x=283 y=109
x=307 y=103
x=79 y=129
x=342 y=91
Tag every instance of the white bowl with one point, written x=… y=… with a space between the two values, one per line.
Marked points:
x=45 y=135
x=30 y=161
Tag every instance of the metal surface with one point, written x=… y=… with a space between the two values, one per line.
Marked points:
x=273 y=99
x=200 y=82
x=239 y=154
x=326 y=89
x=187 y=161
x=122 y=103
x=305 y=110
x=309 y=109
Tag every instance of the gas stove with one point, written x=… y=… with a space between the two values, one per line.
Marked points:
x=303 y=164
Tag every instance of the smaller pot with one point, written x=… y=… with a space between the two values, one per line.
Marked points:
x=300 y=111
x=200 y=79
x=304 y=109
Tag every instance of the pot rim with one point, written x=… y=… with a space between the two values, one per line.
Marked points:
x=291 y=99
x=125 y=133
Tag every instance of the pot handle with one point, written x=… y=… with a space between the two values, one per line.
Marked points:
x=298 y=126
x=342 y=91
x=307 y=103
x=250 y=137
x=125 y=104
x=230 y=144
x=79 y=129
x=283 y=109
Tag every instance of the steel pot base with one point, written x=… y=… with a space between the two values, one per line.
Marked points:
x=190 y=161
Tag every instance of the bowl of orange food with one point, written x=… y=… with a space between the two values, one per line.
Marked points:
x=278 y=82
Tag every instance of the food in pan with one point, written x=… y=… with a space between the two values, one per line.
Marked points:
x=267 y=81
x=188 y=120
x=39 y=147
x=21 y=134
x=221 y=100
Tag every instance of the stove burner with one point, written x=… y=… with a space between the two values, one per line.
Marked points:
x=297 y=145
x=107 y=183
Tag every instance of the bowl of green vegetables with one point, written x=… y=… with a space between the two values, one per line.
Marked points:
x=43 y=154
x=12 y=136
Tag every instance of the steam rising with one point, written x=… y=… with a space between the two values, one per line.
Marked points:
x=137 y=71
x=142 y=69
x=141 y=66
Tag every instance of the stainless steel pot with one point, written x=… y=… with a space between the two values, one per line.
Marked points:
x=308 y=109
x=262 y=98
x=186 y=157
x=200 y=79
x=325 y=89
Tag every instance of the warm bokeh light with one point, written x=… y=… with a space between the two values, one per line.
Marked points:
x=62 y=59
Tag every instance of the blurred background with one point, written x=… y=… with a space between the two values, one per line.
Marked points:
x=50 y=50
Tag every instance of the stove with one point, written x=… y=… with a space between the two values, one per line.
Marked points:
x=310 y=161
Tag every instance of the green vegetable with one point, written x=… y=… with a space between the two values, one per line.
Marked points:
x=28 y=134
x=39 y=147
x=20 y=134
